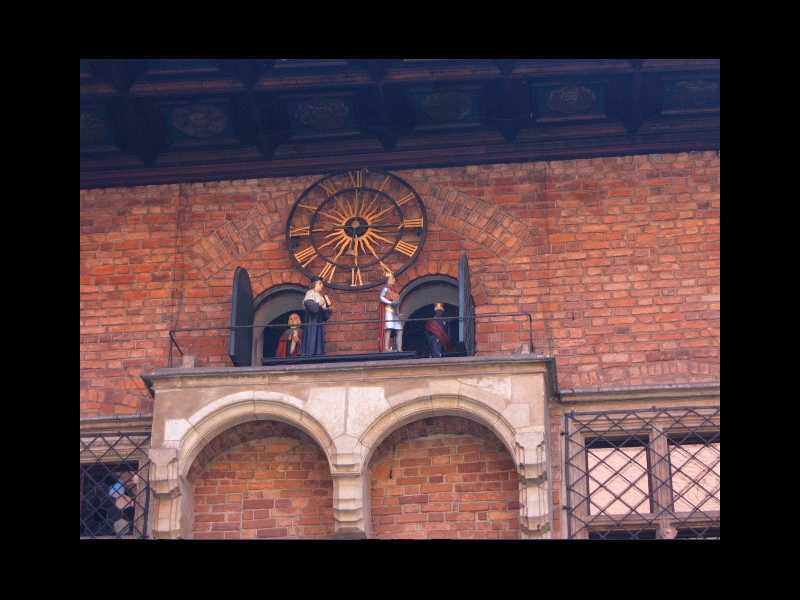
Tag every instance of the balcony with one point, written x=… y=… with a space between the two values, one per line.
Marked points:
x=348 y=409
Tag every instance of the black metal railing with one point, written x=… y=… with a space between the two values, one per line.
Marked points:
x=643 y=474
x=115 y=486
x=333 y=324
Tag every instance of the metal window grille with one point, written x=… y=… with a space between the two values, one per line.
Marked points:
x=115 y=488
x=643 y=474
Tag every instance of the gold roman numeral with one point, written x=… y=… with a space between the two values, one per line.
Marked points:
x=406 y=198
x=328 y=186
x=300 y=231
x=357 y=178
x=412 y=223
x=327 y=272
x=355 y=277
x=406 y=248
x=306 y=256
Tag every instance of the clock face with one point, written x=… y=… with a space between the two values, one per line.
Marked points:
x=351 y=228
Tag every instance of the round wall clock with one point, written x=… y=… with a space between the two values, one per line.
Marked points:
x=351 y=228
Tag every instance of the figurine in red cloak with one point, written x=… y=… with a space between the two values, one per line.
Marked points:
x=436 y=334
x=291 y=340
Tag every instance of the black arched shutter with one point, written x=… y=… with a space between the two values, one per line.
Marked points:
x=466 y=308
x=241 y=344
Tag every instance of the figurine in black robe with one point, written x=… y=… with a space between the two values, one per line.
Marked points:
x=318 y=310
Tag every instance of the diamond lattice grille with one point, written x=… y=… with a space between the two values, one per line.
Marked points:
x=115 y=489
x=638 y=474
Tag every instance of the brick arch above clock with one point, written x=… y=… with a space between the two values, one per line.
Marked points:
x=497 y=230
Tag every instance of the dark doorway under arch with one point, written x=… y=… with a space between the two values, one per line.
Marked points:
x=273 y=334
x=414 y=331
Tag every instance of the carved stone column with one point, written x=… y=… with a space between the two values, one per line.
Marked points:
x=168 y=489
x=534 y=493
x=351 y=515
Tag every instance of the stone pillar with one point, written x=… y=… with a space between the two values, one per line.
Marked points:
x=535 y=517
x=350 y=513
x=167 y=516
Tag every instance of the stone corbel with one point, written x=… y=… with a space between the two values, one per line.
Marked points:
x=535 y=527
x=533 y=474
x=534 y=488
x=166 y=486
x=164 y=478
x=349 y=511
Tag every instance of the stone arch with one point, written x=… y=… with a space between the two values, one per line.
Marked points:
x=436 y=406
x=260 y=479
x=463 y=484
x=428 y=266
x=229 y=411
x=472 y=218
x=272 y=279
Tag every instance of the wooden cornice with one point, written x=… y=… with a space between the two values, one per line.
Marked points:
x=503 y=112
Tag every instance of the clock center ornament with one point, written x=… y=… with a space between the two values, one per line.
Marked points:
x=352 y=228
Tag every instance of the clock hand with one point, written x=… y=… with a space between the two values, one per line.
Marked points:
x=374 y=217
x=380 y=237
x=341 y=237
x=344 y=244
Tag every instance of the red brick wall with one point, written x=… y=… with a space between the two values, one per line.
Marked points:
x=262 y=480
x=616 y=258
x=444 y=477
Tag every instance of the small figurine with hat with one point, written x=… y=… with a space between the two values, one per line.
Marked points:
x=436 y=334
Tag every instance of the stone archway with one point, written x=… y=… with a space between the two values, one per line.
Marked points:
x=443 y=477
x=261 y=480
x=492 y=425
x=348 y=413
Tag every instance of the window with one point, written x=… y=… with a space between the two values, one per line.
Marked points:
x=618 y=481
x=634 y=474
x=107 y=499
x=114 y=495
x=694 y=469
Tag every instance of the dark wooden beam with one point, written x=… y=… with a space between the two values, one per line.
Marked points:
x=261 y=121
x=100 y=174
x=375 y=67
x=506 y=66
x=119 y=73
x=383 y=111
x=248 y=71
x=507 y=107
x=139 y=127
x=634 y=96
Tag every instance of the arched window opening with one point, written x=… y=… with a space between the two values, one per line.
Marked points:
x=417 y=301
x=274 y=307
